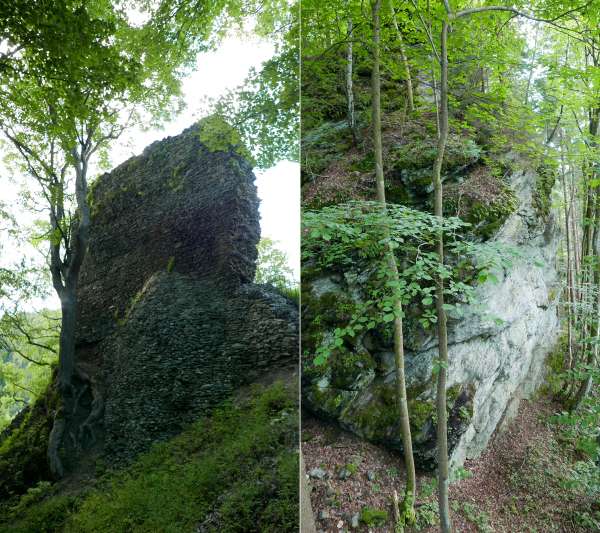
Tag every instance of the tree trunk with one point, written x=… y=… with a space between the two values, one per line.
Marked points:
x=65 y=276
x=442 y=429
x=407 y=514
x=349 y=83
x=593 y=321
x=66 y=362
x=530 y=77
x=568 y=364
x=408 y=78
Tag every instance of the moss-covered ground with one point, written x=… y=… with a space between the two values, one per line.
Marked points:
x=234 y=471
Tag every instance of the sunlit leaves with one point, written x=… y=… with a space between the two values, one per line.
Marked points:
x=353 y=239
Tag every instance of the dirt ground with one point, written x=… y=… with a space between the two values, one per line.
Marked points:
x=516 y=485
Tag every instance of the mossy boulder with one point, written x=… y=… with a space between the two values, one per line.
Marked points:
x=497 y=346
x=411 y=152
x=369 y=409
x=542 y=199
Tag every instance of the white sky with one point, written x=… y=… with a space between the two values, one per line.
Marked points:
x=278 y=187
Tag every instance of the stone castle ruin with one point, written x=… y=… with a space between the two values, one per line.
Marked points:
x=170 y=323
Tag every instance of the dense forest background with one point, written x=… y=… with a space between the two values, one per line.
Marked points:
x=418 y=108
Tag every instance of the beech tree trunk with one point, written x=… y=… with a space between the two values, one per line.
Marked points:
x=442 y=423
x=407 y=513
x=65 y=276
x=349 y=82
x=410 y=104
x=568 y=364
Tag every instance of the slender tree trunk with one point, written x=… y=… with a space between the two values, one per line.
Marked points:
x=593 y=320
x=590 y=277
x=410 y=103
x=569 y=362
x=65 y=276
x=434 y=89
x=407 y=514
x=66 y=371
x=442 y=423
x=66 y=363
x=349 y=83
x=530 y=77
x=376 y=103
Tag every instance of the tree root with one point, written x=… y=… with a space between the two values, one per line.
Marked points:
x=96 y=412
x=71 y=401
x=54 y=442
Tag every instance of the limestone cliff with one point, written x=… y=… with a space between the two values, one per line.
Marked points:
x=497 y=349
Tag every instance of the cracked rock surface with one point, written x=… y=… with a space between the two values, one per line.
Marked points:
x=497 y=350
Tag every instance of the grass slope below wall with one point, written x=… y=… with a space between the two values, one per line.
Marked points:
x=234 y=471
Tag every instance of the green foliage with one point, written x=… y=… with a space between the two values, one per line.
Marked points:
x=218 y=136
x=581 y=429
x=266 y=108
x=170 y=264
x=28 y=350
x=478 y=518
x=546 y=175
x=234 y=471
x=483 y=200
x=373 y=517
x=272 y=265
x=46 y=516
x=23 y=451
x=427 y=515
x=273 y=268
x=323 y=146
x=354 y=238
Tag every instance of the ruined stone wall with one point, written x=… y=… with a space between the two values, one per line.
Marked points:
x=176 y=206
x=170 y=322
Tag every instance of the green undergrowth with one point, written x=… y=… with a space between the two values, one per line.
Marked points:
x=23 y=450
x=234 y=471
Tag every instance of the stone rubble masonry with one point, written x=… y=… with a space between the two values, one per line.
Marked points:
x=170 y=322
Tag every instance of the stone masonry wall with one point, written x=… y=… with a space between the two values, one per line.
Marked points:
x=170 y=323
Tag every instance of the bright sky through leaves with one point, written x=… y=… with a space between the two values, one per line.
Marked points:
x=216 y=72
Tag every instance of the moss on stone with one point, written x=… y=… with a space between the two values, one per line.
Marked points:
x=24 y=444
x=484 y=200
x=325 y=399
x=218 y=136
x=419 y=412
x=236 y=470
x=452 y=393
x=542 y=198
x=376 y=419
x=348 y=366
x=364 y=164
x=373 y=517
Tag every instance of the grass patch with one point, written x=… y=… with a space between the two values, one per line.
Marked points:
x=231 y=472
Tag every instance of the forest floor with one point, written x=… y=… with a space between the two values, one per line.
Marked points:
x=516 y=485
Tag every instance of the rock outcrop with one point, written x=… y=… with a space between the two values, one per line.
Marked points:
x=170 y=322
x=497 y=349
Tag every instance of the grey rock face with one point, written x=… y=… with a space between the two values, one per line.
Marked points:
x=177 y=206
x=170 y=323
x=497 y=351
